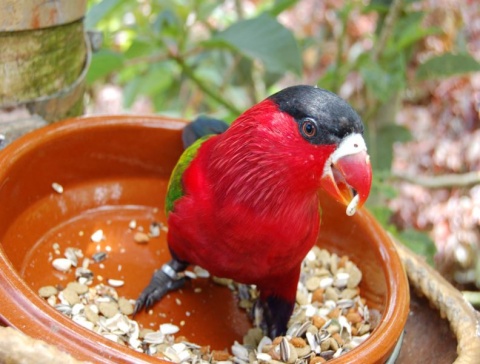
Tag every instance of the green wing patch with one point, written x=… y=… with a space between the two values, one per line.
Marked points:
x=175 y=185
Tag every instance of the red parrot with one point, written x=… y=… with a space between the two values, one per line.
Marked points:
x=244 y=204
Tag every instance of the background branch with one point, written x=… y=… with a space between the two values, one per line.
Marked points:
x=442 y=181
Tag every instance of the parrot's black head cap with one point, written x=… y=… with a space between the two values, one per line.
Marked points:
x=322 y=116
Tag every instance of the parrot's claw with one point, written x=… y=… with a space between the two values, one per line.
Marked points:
x=272 y=315
x=163 y=281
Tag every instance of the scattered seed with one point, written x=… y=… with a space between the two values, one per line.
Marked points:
x=141 y=238
x=115 y=282
x=154 y=337
x=91 y=313
x=64 y=308
x=83 y=272
x=312 y=283
x=52 y=300
x=125 y=306
x=78 y=288
x=220 y=355
x=355 y=276
x=200 y=272
x=298 y=342
x=132 y=224
x=78 y=309
x=57 y=187
x=70 y=296
x=341 y=279
x=155 y=229
x=329 y=319
x=97 y=236
x=73 y=254
x=354 y=317
x=169 y=329
x=99 y=257
x=264 y=357
x=108 y=309
x=47 y=291
x=62 y=264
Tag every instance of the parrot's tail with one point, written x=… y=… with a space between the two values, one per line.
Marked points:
x=200 y=127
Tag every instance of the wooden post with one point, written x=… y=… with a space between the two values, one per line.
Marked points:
x=44 y=55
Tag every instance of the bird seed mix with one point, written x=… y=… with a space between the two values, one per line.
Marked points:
x=330 y=317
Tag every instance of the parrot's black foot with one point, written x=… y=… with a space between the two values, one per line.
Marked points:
x=164 y=280
x=272 y=315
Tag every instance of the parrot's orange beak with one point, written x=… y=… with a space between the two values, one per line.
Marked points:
x=347 y=176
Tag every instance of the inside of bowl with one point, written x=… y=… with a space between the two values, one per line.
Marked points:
x=113 y=175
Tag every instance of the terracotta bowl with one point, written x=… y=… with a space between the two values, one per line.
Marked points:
x=115 y=169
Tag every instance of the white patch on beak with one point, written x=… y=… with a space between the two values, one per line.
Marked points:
x=352 y=144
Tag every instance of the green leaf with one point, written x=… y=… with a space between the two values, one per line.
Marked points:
x=243 y=74
x=408 y=31
x=263 y=38
x=271 y=78
x=156 y=79
x=166 y=21
x=152 y=82
x=378 y=80
x=329 y=80
x=381 y=144
x=99 y=11
x=130 y=92
x=447 y=65
x=139 y=48
x=103 y=63
x=281 y=5
x=381 y=213
x=419 y=242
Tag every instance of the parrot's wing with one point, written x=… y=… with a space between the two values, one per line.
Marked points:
x=175 y=185
x=200 y=127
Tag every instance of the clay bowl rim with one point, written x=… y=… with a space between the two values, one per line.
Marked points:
x=64 y=333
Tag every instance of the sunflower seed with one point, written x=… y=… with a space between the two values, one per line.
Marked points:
x=73 y=254
x=57 y=187
x=200 y=272
x=77 y=309
x=115 y=282
x=132 y=224
x=66 y=309
x=99 y=257
x=155 y=337
x=352 y=206
x=97 y=236
x=169 y=329
x=326 y=282
x=155 y=229
x=62 y=264
x=264 y=357
x=327 y=297
x=285 y=352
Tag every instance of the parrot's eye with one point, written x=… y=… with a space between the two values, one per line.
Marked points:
x=308 y=127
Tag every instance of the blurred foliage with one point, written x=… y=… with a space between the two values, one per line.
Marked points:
x=193 y=56
x=219 y=58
